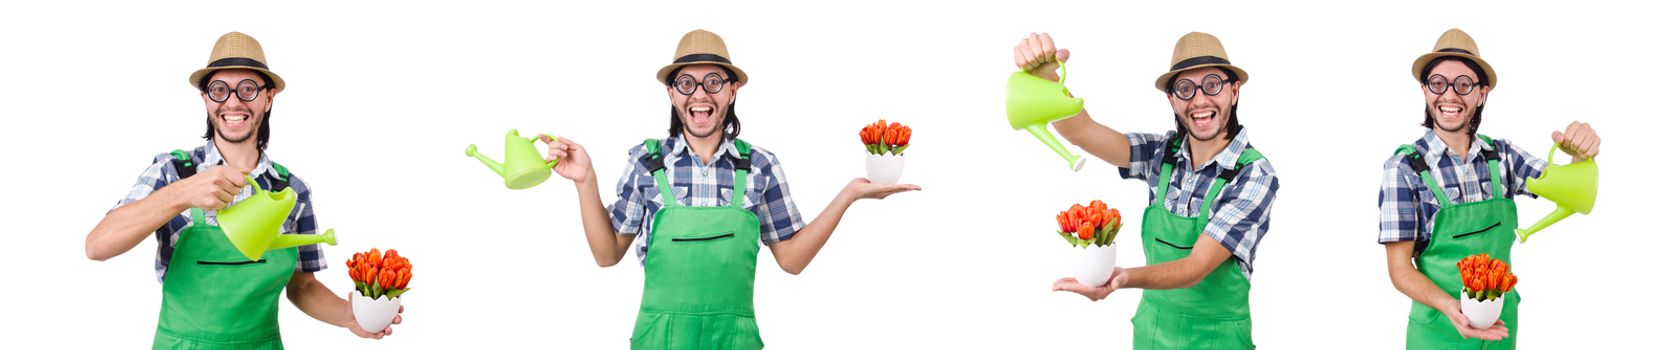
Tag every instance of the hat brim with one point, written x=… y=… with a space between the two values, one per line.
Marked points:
x=1164 y=79
x=198 y=76
x=664 y=73
x=1421 y=62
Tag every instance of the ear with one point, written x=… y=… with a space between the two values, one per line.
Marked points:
x=1234 y=89
x=1484 y=94
x=671 y=90
x=734 y=91
x=270 y=100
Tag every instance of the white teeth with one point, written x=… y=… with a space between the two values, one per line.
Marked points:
x=1202 y=115
x=1450 y=109
x=233 y=118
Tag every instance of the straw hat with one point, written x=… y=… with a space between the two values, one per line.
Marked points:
x=1454 y=43
x=236 y=50
x=701 y=47
x=1197 y=50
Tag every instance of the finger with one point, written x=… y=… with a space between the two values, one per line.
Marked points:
x=1034 y=46
x=1063 y=55
x=1595 y=148
x=544 y=137
x=1048 y=48
x=1019 y=56
x=1571 y=134
x=397 y=320
x=1557 y=136
x=223 y=198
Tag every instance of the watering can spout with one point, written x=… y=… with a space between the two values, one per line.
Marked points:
x=1572 y=187
x=471 y=151
x=288 y=241
x=1041 y=133
x=1033 y=102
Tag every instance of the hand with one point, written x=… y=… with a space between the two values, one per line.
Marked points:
x=859 y=188
x=211 y=189
x=1069 y=284
x=1579 y=140
x=1453 y=310
x=575 y=164
x=356 y=327
x=1038 y=55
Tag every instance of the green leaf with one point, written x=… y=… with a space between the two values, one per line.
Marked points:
x=899 y=149
x=396 y=293
x=1069 y=238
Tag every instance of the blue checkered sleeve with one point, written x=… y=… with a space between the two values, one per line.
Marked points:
x=776 y=212
x=310 y=258
x=1145 y=152
x=1400 y=201
x=630 y=208
x=1240 y=218
x=1521 y=165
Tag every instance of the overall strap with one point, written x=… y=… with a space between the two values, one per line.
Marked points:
x=742 y=172
x=184 y=167
x=1419 y=164
x=1166 y=166
x=1494 y=166
x=654 y=161
x=284 y=178
x=1247 y=156
x=197 y=216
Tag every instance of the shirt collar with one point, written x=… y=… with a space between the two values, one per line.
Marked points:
x=1437 y=149
x=679 y=146
x=1227 y=158
x=212 y=157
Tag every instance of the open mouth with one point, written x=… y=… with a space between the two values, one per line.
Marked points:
x=1203 y=119
x=700 y=114
x=235 y=120
x=1449 y=112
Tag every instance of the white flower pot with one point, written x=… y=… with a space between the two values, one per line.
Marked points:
x=374 y=315
x=1093 y=264
x=884 y=169
x=1481 y=314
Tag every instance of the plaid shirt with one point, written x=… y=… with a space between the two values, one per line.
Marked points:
x=1240 y=215
x=709 y=185
x=162 y=173
x=1405 y=202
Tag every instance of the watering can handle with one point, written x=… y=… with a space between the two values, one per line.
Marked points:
x=1062 y=70
x=555 y=161
x=1552 y=153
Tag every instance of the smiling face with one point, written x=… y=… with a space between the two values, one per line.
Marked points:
x=236 y=120
x=1206 y=117
x=1452 y=112
x=702 y=112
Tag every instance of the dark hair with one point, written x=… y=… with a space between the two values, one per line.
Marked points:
x=1478 y=113
x=1234 y=118
x=730 y=123
x=261 y=129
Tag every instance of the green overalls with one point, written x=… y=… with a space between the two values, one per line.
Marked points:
x=1213 y=314
x=1460 y=230
x=701 y=263
x=214 y=297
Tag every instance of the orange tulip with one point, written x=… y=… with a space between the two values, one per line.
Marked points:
x=1087 y=231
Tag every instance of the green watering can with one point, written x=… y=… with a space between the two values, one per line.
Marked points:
x=1033 y=102
x=1572 y=187
x=524 y=167
x=253 y=225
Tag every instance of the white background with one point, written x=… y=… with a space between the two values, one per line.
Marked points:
x=383 y=97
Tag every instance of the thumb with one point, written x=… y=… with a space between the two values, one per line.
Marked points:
x=544 y=137
x=1063 y=55
x=1557 y=136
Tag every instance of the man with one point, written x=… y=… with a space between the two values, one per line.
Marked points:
x=1210 y=206
x=1476 y=177
x=695 y=204
x=213 y=297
